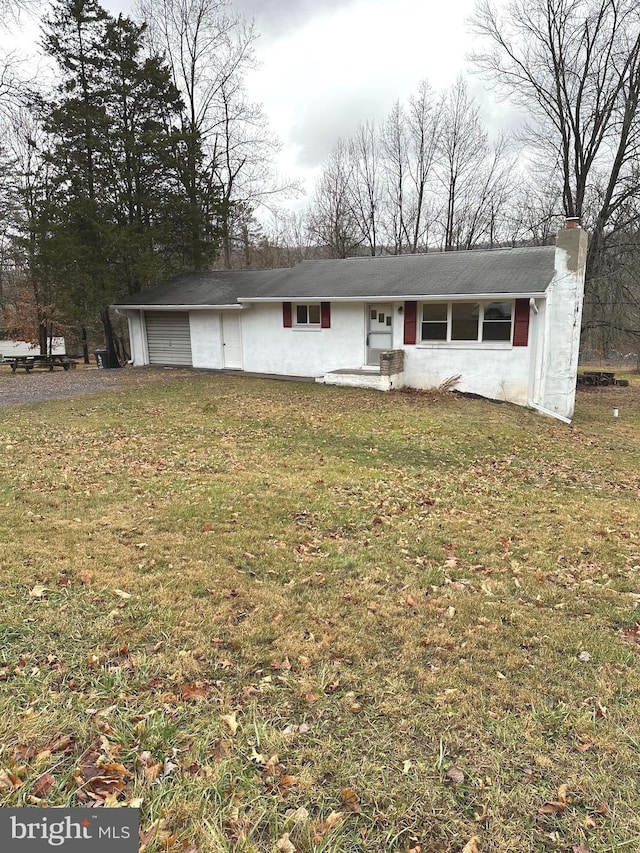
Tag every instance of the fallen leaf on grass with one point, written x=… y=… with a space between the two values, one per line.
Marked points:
x=159 y=832
x=581 y=848
x=230 y=722
x=632 y=633
x=150 y=767
x=283 y=845
x=194 y=691
x=552 y=807
x=350 y=800
x=26 y=752
x=169 y=767
x=43 y=785
x=303 y=728
x=221 y=749
x=472 y=845
x=9 y=781
x=98 y=776
x=563 y=794
x=286 y=783
x=454 y=775
x=38 y=591
x=63 y=743
x=122 y=594
x=298 y=816
x=322 y=828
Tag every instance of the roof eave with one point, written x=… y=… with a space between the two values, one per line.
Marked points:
x=182 y=307
x=420 y=297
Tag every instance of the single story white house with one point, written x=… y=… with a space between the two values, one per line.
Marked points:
x=503 y=324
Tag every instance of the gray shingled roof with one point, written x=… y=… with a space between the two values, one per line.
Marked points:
x=504 y=271
x=218 y=287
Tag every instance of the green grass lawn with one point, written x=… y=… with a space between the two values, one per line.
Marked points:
x=287 y=617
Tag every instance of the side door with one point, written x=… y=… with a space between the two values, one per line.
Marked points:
x=231 y=341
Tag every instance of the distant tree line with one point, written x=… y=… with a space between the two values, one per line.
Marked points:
x=147 y=158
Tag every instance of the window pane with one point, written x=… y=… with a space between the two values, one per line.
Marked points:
x=464 y=321
x=314 y=313
x=496 y=331
x=301 y=314
x=435 y=311
x=434 y=331
x=497 y=321
x=497 y=311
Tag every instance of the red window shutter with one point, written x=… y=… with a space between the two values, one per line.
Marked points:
x=325 y=315
x=521 y=323
x=410 y=322
x=287 y=318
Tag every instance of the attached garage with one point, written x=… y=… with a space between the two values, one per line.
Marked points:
x=168 y=337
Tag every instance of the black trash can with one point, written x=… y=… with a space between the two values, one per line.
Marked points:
x=102 y=357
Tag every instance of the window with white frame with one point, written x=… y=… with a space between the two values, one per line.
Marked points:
x=307 y=313
x=467 y=321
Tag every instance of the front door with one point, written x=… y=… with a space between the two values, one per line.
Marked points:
x=231 y=341
x=379 y=331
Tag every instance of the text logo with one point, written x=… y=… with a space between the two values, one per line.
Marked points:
x=36 y=830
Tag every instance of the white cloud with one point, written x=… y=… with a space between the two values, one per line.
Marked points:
x=322 y=77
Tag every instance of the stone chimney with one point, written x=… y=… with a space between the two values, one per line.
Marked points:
x=572 y=241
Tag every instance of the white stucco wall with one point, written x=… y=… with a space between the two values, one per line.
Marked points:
x=270 y=348
x=499 y=373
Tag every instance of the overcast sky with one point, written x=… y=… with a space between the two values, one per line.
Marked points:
x=325 y=66
x=328 y=65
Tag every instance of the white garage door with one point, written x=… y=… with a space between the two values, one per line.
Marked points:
x=168 y=337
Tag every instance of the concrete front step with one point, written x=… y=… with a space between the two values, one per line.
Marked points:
x=360 y=378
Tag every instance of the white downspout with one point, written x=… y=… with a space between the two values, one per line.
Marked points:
x=551 y=414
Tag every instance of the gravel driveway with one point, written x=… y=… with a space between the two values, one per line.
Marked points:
x=21 y=387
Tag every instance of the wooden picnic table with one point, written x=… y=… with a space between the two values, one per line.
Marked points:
x=29 y=362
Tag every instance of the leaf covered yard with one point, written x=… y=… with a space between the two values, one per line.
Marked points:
x=285 y=617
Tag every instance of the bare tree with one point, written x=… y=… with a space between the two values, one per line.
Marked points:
x=395 y=145
x=366 y=187
x=575 y=66
x=424 y=127
x=241 y=155
x=332 y=221
x=285 y=242
x=210 y=49
x=470 y=171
